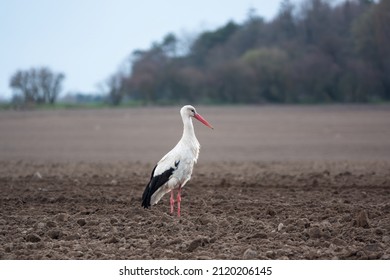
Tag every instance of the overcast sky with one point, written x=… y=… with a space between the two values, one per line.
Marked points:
x=89 y=39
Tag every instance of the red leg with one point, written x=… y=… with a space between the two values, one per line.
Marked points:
x=178 y=201
x=172 y=201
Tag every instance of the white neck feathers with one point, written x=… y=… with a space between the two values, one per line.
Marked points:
x=188 y=138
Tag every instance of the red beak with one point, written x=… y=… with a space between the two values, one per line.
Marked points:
x=202 y=120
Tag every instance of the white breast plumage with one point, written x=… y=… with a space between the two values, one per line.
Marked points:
x=175 y=168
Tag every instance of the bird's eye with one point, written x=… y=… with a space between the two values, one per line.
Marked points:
x=192 y=110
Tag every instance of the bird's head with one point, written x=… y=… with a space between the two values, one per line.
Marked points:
x=189 y=111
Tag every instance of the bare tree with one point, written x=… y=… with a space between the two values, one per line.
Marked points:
x=37 y=85
x=116 y=88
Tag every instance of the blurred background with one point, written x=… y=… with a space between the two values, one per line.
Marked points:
x=130 y=53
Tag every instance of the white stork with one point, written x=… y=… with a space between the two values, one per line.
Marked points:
x=174 y=170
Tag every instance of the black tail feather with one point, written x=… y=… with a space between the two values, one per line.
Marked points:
x=155 y=183
x=146 y=196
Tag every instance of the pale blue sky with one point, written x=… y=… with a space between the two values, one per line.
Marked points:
x=89 y=39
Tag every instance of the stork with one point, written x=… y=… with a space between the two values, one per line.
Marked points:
x=174 y=170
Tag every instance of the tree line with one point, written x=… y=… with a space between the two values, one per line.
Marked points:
x=316 y=52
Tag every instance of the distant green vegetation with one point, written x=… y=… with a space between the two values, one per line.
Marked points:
x=314 y=53
x=64 y=105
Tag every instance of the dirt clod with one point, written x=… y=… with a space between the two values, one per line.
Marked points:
x=201 y=241
x=81 y=222
x=51 y=224
x=33 y=238
x=315 y=232
x=40 y=225
x=249 y=254
x=113 y=239
x=54 y=234
x=62 y=217
x=270 y=254
x=386 y=239
x=270 y=212
x=362 y=220
x=113 y=221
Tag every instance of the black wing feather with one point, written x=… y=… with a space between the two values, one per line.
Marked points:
x=155 y=183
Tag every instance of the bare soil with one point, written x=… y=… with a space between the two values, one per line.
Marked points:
x=272 y=183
